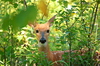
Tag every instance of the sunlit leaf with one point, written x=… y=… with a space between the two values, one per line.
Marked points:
x=70 y=1
x=43 y=7
x=89 y=0
x=53 y=0
x=19 y=37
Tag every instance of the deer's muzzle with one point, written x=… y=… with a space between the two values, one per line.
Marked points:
x=42 y=40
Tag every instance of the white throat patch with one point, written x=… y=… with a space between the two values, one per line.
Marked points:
x=41 y=45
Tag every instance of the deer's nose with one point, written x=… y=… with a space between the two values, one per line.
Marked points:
x=42 y=40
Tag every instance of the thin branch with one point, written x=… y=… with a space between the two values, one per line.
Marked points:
x=92 y=17
x=72 y=25
x=92 y=27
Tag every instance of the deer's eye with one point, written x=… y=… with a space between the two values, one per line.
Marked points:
x=37 y=31
x=48 y=31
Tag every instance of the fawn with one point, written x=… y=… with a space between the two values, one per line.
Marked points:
x=42 y=32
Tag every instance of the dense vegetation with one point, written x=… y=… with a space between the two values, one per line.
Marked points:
x=76 y=27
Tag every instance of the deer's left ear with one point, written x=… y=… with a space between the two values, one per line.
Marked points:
x=32 y=24
x=51 y=20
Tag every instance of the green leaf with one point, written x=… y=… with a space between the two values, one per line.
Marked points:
x=25 y=16
x=53 y=0
x=20 y=20
x=15 y=5
x=8 y=0
x=6 y=22
x=65 y=3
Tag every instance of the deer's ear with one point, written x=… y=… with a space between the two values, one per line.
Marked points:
x=32 y=24
x=51 y=20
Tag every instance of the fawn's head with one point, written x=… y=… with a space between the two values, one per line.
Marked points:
x=42 y=31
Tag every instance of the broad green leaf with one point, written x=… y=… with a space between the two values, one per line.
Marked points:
x=22 y=19
x=6 y=22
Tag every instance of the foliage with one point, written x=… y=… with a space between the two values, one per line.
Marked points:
x=76 y=27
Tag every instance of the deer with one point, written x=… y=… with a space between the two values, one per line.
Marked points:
x=42 y=32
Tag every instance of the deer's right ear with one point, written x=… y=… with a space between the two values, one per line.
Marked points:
x=52 y=19
x=32 y=24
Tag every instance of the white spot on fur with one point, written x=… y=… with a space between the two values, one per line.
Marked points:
x=55 y=53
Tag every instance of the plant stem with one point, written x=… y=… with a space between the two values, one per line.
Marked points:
x=70 y=48
x=94 y=20
x=25 y=4
x=4 y=56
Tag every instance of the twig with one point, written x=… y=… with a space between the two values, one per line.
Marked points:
x=91 y=17
x=72 y=25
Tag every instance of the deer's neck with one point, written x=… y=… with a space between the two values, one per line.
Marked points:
x=47 y=51
x=44 y=48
